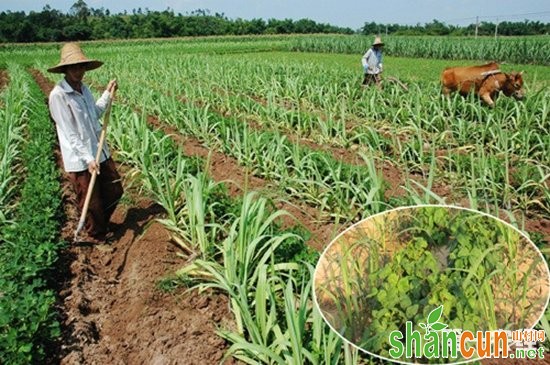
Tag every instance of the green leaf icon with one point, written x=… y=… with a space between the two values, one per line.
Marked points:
x=438 y=326
x=434 y=315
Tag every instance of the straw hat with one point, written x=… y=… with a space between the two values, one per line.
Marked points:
x=378 y=42
x=71 y=54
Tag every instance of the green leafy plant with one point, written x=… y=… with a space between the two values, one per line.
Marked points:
x=29 y=245
x=446 y=271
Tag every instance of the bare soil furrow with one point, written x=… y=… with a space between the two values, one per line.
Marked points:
x=4 y=82
x=4 y=79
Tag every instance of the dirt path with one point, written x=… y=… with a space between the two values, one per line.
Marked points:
x=4 y=82
x=111 y=309
x=115 y=314
x=4 y=79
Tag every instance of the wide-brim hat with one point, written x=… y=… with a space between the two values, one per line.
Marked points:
x=71 y=54
x=377 y=42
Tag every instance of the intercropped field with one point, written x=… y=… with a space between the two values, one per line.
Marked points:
x=291 y=112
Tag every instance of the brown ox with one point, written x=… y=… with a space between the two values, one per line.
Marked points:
x=485 y=80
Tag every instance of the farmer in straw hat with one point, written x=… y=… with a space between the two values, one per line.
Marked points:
x=372 y=63
x=76 y=115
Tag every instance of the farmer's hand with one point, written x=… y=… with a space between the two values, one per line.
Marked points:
x=93 y=167
x=112 y=86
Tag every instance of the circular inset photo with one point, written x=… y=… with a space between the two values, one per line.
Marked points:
x=432 y=284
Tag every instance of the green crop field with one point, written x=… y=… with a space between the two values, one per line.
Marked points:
x=291 y=111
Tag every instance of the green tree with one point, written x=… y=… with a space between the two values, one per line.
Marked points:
x=80 y=10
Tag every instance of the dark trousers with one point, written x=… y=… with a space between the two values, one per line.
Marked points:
x=105 y=196
x=371 y=79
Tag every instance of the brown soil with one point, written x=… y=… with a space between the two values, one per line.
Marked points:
x=541 y=226
x=111 y=310
x=4 y=79
x=4 y=82
x=115 y=314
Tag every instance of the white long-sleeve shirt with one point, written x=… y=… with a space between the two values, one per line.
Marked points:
x=372 y=61
x=76 y=118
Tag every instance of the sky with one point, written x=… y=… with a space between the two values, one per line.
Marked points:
x=344 y=13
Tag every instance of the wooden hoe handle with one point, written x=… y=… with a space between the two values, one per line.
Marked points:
x=94 y=174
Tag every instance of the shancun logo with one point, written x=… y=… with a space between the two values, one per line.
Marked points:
x=440 y=342
x=433 y=344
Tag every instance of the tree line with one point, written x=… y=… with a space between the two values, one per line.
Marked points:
x=85 y=23
x=505 y=28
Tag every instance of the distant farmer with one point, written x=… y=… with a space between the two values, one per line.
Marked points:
x=372 y=63
x=76 y=115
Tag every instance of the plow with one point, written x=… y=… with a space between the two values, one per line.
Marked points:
x=395 y=80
